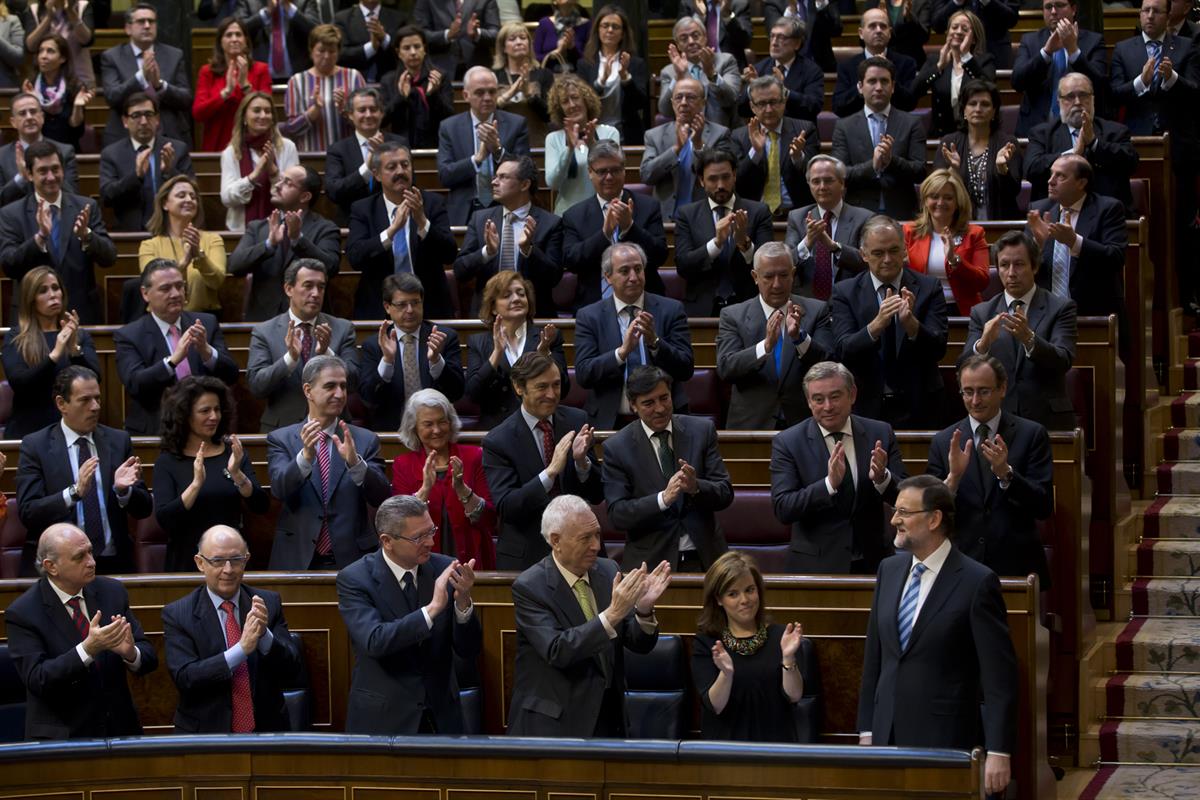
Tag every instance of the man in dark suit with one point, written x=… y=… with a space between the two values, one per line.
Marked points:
x=614 y=215
x=715 y=238
x=729 y=20
x=458 y=35
x=690 y=58
x=408 y=355
x=146 y=66
x=15 y=179
x=348 y=177
x=574 y=620
x=53 y=227
x=1083 y=239
x=397 y=607
x=514 y=234
x=998 y=18
x=802 y=85
x=823 y=237
x=282 y=345
x=831 y=475
x=165 y=346
x=824 y=24
x=1050 y=53
x=472 y=144
x=541 y=450
x=664 y=480
x=883 y=147
x=1008 y=483
x=1178 y=22
x=229 y=650
x=326 y=473
x=402 y=229
x=1031 y=332
x=890 y=325
x=1105 y=144
x=367 y=45
x=630 y=328
x=1153 y=78
x=292 y=232
x=73 y=638
x=773 y=151
x=132 y=168
x=278 y=32
x=934 y=666
x=81 y=472
x=766 y=344
x=875 y=32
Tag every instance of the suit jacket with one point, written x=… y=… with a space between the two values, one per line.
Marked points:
x=65 y=698
x=44 y=470
x=543 y=266
x=415 y=118
x=319 y=239
x=567 y=668
x=456 y=151
x=297 y=28
x=1111 y=154
x=350 y=524
x=752 y=172
x=914 y=377
x=1002 y=190
x=762 y=397
x=823 y=26
x=270 y=379
x=936 y=82
x=428 y=255
x=1032 y=76
x=12 y=190
x=846 y=98
x=355 y=37
x=434 y=17
x=633 y=480
x=892 y=192
x=634 y=97
x=195 y=642
x=959 y=663
x=970 y=278
x=386 y=399
x=344 y=184
x=584 y=243
x=20 y=253
x=1037 y=385
x=997 y=526
x=130 y=198
x=660 y=163
x=1159 y=109
x=118 y=71
x=141 y=348
x=733 y=25
x=512 y=464
x=597 y=337
x=402 y=666
x=805 y=85
x=722 y=92
x=847 y=262
x=825 y=537
x=490 y=387
x=1097 y=282
x=728 y=275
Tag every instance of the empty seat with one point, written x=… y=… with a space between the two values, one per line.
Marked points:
x=656 y=689
x=470 y=695
x=704 y=396
x=149 y=545
x=807 y=713
x=297 y=694
x=749 y=525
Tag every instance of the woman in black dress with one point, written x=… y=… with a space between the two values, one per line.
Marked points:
x=63 y=100
x=962 y=58
x=745 y=669
x=618 y=74
x=202 y=477
x=988 y=160
x=46 y=340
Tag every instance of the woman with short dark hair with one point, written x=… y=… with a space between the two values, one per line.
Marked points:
x=987 y=159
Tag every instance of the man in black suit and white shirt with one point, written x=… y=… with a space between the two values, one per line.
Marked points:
x=689 y=56
x=823 y=237
x=458 y=35
x=81 y=472
x=15 y=179
x=145 y=65
x=348 y=177
x=1153 y=77
x=765 y=345
x=802 y=85
x=263 y=19
x=664 y=480
x=875 y=32
x=1050 y=53
x=824 y=24
x=773 y=150
x=367 y=46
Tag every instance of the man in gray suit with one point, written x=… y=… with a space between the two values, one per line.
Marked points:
x=144 y=65
x=281 y=346
x=766 y=344
x=458 y=38
x=672 y=147
x=326 y=473
x=823 y=237
x=28 y=118
x=664 y=480
x=690 y=56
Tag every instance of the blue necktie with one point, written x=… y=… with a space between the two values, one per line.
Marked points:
x=684 y=181
x=1154 y=50
x=779 y=357
x=55 y=234
x=400 y=255
x=1060 y=278
x=908 y=605
x=1058 y=69
x=638 y=357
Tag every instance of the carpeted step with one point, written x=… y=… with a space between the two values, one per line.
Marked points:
x=1179 y=477
x=1159 y=645
x=1172 y=518
x=1163 y=558
x=1185 y=410
x=1167 y=596
x=1157 y=741
x=1181 y=444
x=1162 y=783
x=1152 y=694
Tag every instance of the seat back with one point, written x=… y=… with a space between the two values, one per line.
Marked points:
x=656 y=690
x=470 y=695
x=12 y=700
x=12 y=542
x=297 y=696
x=149 y=545
x=807 y=713
x=749 y=525
x=6 y=398
x=704 y=394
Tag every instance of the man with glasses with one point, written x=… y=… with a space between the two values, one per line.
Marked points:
x=1047 y=55
x=16 y=180
x=409 y=613
x=673 y=147
x=1153 y=76
x=690 y=56
x=228 y=646
x=773 y=150
x=802 y=84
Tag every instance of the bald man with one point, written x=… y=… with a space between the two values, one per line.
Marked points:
x=73 y=638
x=228 y=646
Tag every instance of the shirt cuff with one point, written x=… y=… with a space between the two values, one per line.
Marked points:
x=385 y=370
x=546 y=481
x=1169 y=82
x=304 y=464
x=1075 y=248
x=802 y=347
x=997 y=753
x=83 y=656
x=211 y=361
x=141 y=79
x=1139 y=88
x=424 y=229
x=363 y=171
x=265 y=641
x=384 y=239
x=608 y=626
x=829 y=487
x=135 y=665
x=66 y=496
x=435 y=369
x=462 y=617
x=358 y=472
x=712 y=249
x=289 y=362
x=123 y=497
x=662 y=503
x=167 y=363
x=760 y=349
x=428 y=619
x=802 y=250
x=369 y=49
x=883 y=484
x=648 y=624
x=235 y=656
x=617 y=355
x=1072 y=57
x=583 y=474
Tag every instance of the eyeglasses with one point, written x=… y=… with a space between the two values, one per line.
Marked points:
x=607 y=172
x=237 y=562
x=770 y=102
x=780 y=37
x=427 y=536
x=140 y=115
x=982 y=394
x=904 y=513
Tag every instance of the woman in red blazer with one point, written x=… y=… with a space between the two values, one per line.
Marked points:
x=942 y=242
x=229 y=76
x=448 y=476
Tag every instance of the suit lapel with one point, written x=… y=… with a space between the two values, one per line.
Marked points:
x=208 y=623
x=387 y=588
x=646 y=454
x=58 y=461
x=564 y=595
x=943 y=587
x=58 y=614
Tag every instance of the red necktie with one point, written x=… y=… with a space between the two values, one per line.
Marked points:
x=81 y=622
x=306 y=342
x=243 y=702
x=822 y=282
x=547 y=440
x=277 y=64
x=324 y=540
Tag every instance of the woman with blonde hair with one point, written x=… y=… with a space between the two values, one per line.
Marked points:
x=943 y=243
x=174 y=234
x=962 y=58
x=574 y=107
x=523 y=83
x=315 y=102
x=256 y=154
x=46 y=340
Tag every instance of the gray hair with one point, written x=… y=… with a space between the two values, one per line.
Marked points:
x=703 y=87
x=823 y=370
x=880 y=222
x=683 y=22
x=796 y=28
x=605 y=148
x=365 y=91
x=1078 y=75
x=375 y=159
x=476 y=71
x=318 y=364
x=772 y=249
x=838 y=165
x=560 y=510
x=764 y=82
x=610 y=252
x=396 y=509
x=426 y=398
x=48 y=544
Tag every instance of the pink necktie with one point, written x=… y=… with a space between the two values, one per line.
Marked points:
x=183 y=368
x=324 y=540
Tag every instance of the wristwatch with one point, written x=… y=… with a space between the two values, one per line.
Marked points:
x=75 y=493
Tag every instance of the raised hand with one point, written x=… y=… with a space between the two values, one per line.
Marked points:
x=461 y=580
x=582 y=445
x=1017 y=325
x=198 y=470
x=345 y=445
x=879 y=460
x=959 y=458
x=310 y=434
x=836 y=468
x=547 y=338
x=428 y=474
x=87 y=471
x=794 y=321
x=757 y=135
x=322 y=334
x=435 y=81
x=721 y=658
x=526 y=239
x=1003 y=156
x=293 y=220
x=950 y=153
x=627 y=590
x=292 y=340
x=80 y=228
x=678 y=60
x=405 y=83
x=433 y=347
x=491 y=238
x=275 y=229
x=996 y=453
x=1039 y=226
x=774 y=330
x=1148 y=71
x=789 y=643
x=796 y=148
x=562 y=451
x=236 y=453
x=255 y=625
x=991 y=332
x=125 y=476
x=166 y=158
x=708 y=59
x=656 y=583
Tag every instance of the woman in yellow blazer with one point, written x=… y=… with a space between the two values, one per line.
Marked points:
x=174 y=235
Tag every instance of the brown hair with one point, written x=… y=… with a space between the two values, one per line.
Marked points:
x=939 y=179
x=558 y=93
x=495 y=288
x=157 y=224
x=591 y=50
x=217 y=63
x=28 y=340
x=328 y=35
x=239 y=123
x=725 y=571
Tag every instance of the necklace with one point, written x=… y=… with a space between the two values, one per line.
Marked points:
x=747 y=646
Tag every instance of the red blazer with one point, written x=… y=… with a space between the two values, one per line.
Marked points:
x=970 y=278
x=217 y=114
x=472 y=540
